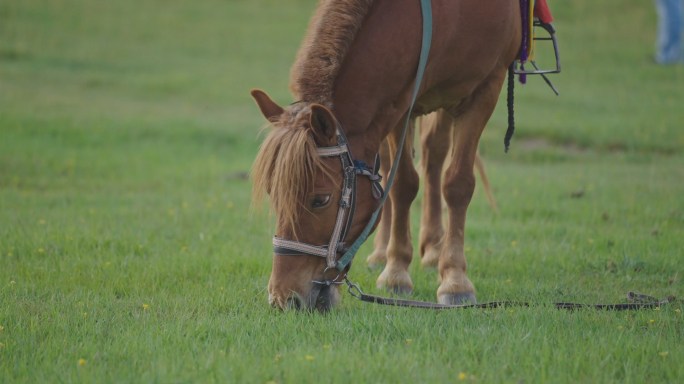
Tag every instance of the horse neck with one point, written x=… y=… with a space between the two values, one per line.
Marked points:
x=374 y=83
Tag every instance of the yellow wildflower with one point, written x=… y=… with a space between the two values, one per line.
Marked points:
x=309 y=358
x=145 y=307
x=81 y=362
x=462 y=376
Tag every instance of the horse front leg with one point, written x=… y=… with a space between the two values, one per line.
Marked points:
x=435 y=139
x=458 y=187
x=395 y=277
x=378 y=257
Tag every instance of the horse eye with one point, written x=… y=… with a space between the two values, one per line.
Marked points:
x=320 y=201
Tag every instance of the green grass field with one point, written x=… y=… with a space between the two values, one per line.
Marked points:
x=128 y=252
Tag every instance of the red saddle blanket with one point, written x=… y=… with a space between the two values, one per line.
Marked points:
x=542 y=11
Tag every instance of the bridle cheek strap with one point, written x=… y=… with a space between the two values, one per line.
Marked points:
x=343 y=213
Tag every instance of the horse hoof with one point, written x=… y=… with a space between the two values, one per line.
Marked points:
x=397 y=283
x=457 y=298
x=376 y=260
x=396 y=289
x=400 y=290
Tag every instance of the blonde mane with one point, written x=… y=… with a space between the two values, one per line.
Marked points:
x=286 y=165
x=331 y=32
x=287 y=161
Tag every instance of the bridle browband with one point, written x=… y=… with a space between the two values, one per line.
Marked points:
x=353 y=168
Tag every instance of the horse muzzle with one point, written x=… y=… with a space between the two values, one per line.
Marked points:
x=319 y=297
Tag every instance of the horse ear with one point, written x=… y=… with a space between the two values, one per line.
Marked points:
x=269 y=108
x=323 y=125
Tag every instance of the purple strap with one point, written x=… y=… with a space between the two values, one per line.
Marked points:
x=524 y=53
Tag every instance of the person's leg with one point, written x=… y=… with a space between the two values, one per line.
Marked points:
x=680 y=24
x=669 y=44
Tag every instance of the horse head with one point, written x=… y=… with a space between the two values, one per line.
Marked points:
x=298 y=166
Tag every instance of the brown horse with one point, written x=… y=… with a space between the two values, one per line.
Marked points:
x=353 y=78
x=436 y=130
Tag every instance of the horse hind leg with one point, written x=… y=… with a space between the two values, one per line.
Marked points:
x=435 y=137
x=395 y=277
x=378 y=257
x=458 y=187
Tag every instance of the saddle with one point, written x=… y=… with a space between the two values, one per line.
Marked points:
x=536 y=18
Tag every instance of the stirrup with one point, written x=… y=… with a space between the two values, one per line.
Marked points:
x=535 y=70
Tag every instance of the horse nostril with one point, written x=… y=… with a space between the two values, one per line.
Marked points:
x=293 y=302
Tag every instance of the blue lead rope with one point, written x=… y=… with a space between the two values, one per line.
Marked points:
x=426 y=10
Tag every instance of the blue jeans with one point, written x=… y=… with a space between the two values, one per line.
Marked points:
x=670 y=27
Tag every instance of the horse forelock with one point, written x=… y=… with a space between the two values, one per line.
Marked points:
x=287 y=161
x=286 y=164
x=331 y=32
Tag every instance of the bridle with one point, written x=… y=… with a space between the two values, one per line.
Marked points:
x=351 y=169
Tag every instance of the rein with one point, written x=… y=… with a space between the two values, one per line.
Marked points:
x=636 y=301
x=426 y=10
